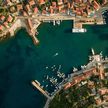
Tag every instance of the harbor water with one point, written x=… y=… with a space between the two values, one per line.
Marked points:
x=21 y=61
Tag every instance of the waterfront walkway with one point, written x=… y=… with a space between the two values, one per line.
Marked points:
x=48 y=17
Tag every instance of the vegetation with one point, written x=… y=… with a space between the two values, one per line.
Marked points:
x=100 y=1
x=75 y=97
x=80 y=96
x=0 y=2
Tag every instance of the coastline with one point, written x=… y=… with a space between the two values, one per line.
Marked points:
x=23 y=41
x=19 y=24
x=96 y=62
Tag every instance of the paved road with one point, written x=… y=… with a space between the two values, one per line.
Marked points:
x=48 y=17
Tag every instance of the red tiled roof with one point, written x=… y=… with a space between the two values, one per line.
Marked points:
x=41 y=1
x=27 y=7
x=19 y=7
x=9 y=19
x=5 y=24
x=69 y=5
x=79 y=78
x=54 y=4
x=35 y=10
x=96 y=5
x=1 y=28
x=24 y=13
x=2 y=17
x=31 y=2
x=8 y=1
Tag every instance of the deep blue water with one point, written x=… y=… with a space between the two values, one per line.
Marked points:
x=21 y=61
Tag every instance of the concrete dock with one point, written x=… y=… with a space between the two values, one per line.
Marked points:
x=40 y=89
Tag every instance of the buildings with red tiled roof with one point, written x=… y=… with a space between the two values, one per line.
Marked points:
x=51 y=10
x=103 y=91
x=104 y=2
x=2 y=18
x=54 y=4
x=41 y=2
x=67 y=86
x=60 y=2
x=13 y=1
x=96 y=5
x=60 y=7
x=6 y=24
x=9 y=19
x=90 y=72
x=27 y=7
x=65 y=1
x=80 y=78
x=69 y=5
x=8 y=1
x=35 y=10
x=24 y=13
x=1 y=27
x=77 y=1
x=44 y=12
x=98 y=100
x=105 y=98
x=63 y=11
x=19 y=7
x=31 y=2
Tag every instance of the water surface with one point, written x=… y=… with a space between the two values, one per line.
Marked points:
x=21 y=61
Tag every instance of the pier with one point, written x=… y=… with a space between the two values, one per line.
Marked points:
x=40 y=89
x=31 y=28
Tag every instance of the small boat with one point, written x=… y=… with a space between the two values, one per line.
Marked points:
x=54 y=65
x=61 y=75
x=92 y=50
x=53 y=69
x=82 y=67
x=58 y=22
x=54 y=23
x=56 y=54
x=90 y=58
x=75 y=69
x=47 y=77
x=53 y=80
x=46 y=67
x=46 y=85
x=106 y=58
x=101 y=54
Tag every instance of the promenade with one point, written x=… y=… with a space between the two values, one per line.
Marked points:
x=48 y=17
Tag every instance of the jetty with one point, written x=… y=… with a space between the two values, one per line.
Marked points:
x=31 y=29
x=45 y=93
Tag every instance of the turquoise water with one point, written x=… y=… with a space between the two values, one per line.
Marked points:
x=22 y=62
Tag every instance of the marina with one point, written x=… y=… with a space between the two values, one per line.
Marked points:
x=18 y=64
x=49 y=45
x=86 y=70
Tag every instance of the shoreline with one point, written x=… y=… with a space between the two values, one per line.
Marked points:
x=18 y=24
x=90 y=67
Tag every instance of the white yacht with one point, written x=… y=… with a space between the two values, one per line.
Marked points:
x=75 y=69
